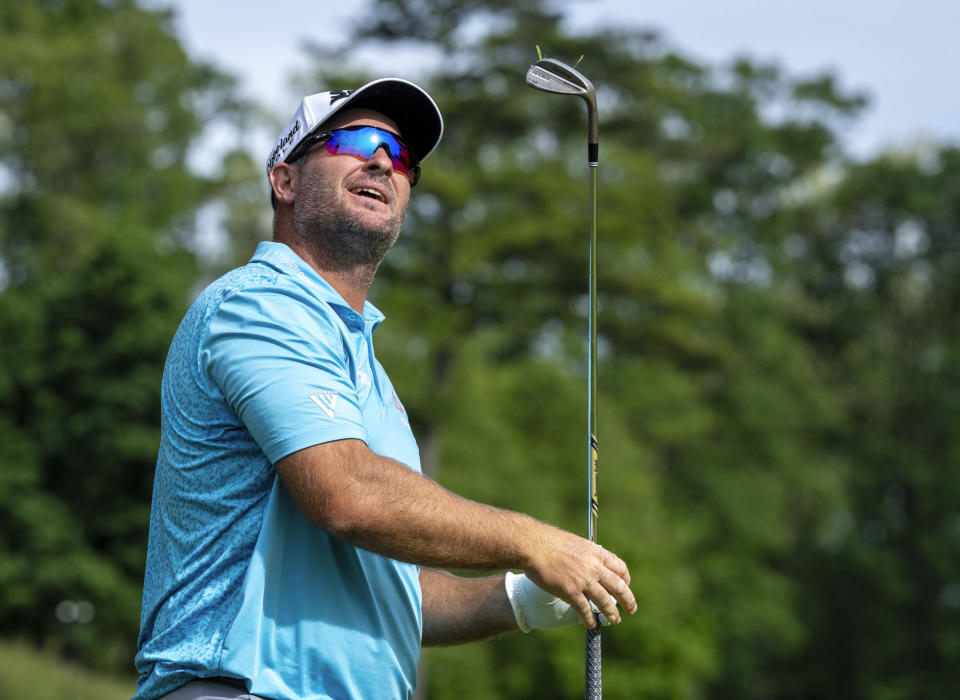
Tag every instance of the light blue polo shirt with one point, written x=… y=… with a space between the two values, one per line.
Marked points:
x=269 y=360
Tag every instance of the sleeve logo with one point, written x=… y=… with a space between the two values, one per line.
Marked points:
x=403 y=413
x=326 y=400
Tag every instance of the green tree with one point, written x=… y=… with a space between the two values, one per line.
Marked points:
x=98 y=108
x=880 y=592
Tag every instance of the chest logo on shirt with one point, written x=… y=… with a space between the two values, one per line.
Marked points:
x=363 y=379
x=326 y=400
x=403 y=414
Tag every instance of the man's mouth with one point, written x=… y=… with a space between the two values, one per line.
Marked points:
x=369 y=193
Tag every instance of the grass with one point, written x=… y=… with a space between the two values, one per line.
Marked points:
x=28 y=673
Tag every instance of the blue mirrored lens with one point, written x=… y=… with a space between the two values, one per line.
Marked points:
x=363 y=142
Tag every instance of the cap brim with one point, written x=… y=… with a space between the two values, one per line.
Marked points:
x=416 y=114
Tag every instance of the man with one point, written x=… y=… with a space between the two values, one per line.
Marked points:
x=295 y=549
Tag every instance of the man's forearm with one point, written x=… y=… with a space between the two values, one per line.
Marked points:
x=381 y=505
x=458 y=610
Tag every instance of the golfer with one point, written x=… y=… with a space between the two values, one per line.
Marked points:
x=295 y=549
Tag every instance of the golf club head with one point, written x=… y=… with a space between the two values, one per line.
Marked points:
x=553 y=76
x=550 y=75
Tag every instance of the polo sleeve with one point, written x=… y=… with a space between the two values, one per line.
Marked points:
x=280 y=364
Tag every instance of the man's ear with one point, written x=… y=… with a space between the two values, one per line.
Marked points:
x=283 y=181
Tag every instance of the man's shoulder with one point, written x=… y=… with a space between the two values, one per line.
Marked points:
x=253 y=277
x=260 y=291
x=253 y=281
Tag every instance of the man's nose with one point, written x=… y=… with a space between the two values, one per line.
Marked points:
x=381 y=160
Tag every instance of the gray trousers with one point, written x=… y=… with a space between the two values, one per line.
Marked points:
x=209 y=690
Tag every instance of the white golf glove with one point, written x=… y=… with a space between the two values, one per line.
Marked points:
x=535 y=609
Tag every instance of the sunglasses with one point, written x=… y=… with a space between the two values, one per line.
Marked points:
x=362 y=142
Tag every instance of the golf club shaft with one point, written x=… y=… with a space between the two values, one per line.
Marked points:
x=592 y=362
x=552 y=76
x=592 y=685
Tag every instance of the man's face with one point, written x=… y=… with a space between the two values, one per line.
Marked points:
x=353 y=208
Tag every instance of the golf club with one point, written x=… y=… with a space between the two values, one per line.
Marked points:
x=550 y=75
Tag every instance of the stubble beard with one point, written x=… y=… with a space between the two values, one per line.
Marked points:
x=340 y=240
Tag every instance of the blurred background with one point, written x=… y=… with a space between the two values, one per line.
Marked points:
x=779 y=227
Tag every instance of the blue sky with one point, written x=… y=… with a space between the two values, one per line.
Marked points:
x=904 y=55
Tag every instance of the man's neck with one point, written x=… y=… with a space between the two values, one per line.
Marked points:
x=352 y=284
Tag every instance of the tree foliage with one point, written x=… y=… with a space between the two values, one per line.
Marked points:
x=98 y=108
x=778 y=362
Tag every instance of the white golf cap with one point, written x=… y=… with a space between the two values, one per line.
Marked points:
x=414 y=111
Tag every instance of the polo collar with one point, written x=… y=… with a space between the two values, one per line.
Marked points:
x=282 y=258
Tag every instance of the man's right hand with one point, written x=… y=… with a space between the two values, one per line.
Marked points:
x=580 y=572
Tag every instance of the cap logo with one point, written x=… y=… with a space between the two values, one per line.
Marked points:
x=284 y=142
x=336 y=95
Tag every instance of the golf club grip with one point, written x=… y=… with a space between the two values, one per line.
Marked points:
x=593 y=689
